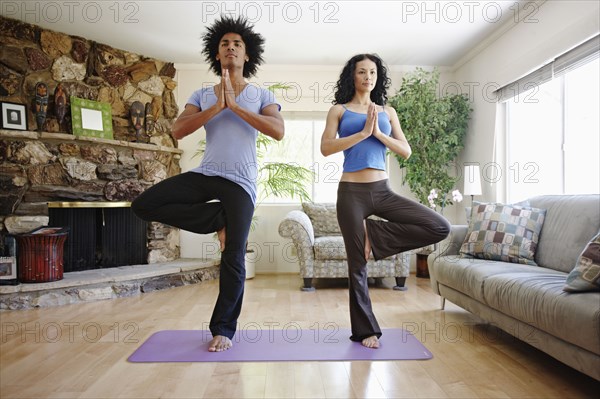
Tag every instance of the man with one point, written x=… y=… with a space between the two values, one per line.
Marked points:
x=232 y=112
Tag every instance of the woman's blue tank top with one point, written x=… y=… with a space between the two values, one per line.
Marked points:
x=369 y=153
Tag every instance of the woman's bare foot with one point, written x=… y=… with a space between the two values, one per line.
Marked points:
x=371 y=342
x=367 y=243
x=221 y=236
x=219 y=344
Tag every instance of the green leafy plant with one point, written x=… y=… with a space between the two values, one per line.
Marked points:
x=435 y=127
x=279 y=179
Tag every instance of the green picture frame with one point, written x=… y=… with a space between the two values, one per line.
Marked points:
x=91 y=118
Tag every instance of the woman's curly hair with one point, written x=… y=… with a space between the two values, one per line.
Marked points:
x=253 y=41
x=344 y=88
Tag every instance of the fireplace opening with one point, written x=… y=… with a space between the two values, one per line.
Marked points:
x=101 y=234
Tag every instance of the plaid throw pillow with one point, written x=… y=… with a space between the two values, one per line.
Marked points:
x=508 y=233
x=586 y=274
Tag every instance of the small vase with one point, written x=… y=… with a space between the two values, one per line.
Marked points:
x=149 y=120
x=60 y=103
x=41 y=104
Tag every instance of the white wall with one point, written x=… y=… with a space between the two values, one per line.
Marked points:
x=522 y=48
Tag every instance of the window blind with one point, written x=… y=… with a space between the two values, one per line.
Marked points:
x=577 y=57
x=572 y=59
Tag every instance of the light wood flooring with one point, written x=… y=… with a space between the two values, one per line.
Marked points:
x=81 y=350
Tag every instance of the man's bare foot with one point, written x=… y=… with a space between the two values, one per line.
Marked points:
x=219 y=344
x=221 y=236
x=371 y=342
x=367 y=243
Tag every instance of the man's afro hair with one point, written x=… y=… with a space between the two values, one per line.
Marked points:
x=254 y=43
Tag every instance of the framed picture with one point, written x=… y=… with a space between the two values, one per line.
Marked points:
x=13 y=116
x=91 y=118
x=8 y=270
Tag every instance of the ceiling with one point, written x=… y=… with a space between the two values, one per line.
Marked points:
x=297 y=32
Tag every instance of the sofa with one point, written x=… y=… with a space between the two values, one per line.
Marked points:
x=316 y=236
x=529 y=301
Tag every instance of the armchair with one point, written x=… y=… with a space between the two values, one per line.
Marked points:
x=316 y=235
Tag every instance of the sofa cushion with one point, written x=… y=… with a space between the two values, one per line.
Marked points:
x=538 y=299
x=330 y=248
x=586 y=274
x=508 y=233
x=323 y=217
x=468 y=275
x=570 y=222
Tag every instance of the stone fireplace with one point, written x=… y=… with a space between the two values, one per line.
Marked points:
x=47 y=164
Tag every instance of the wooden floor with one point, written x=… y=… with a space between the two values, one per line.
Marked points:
x=81 y=350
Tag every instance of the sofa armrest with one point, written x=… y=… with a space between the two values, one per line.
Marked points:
x=451 y=244
x=297 y=226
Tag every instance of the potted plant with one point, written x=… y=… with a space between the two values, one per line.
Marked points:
x=435 y=127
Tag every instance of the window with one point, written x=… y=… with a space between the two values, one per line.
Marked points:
x=534 y=143
x=582 y=101
x=301 y=146
x=553 y=136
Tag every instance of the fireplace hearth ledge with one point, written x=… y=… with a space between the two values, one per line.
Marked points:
x=116 y=282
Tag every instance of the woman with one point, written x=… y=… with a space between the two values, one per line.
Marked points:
x=232 y=112
x=360 y=125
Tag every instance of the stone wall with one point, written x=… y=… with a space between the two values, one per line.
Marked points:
x=50 y=164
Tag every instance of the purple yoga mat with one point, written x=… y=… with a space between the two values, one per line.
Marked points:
x=278 y=345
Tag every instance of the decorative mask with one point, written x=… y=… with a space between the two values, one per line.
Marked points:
x=136 y=114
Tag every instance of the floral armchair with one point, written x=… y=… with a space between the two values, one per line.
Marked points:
x=316 y=235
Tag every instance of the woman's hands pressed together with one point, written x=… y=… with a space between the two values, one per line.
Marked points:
x=371 y=122
x=372 y=125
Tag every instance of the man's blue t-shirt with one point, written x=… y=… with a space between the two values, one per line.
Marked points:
x=230 y=141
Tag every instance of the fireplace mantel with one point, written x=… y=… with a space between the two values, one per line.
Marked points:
x=63 y=137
